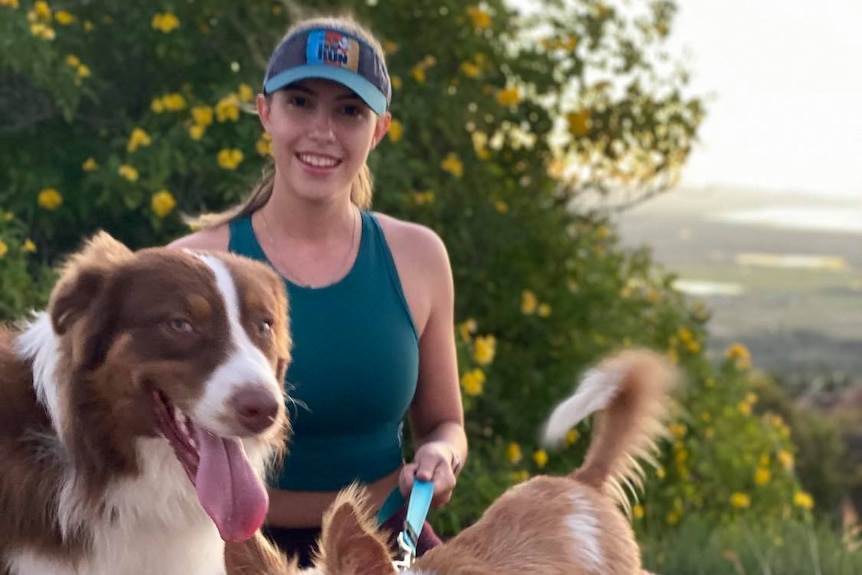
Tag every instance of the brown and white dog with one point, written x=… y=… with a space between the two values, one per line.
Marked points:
x=139 y=413
x=547 y=525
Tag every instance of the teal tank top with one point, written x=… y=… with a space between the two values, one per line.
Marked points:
x=354 y=368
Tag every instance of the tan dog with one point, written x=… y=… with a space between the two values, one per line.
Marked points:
x=548 y=525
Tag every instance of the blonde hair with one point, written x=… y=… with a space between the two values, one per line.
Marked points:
x=362 y=187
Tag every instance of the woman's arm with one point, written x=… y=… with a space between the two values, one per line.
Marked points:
x=436 y=415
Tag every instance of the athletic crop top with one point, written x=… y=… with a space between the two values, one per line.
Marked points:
x=354 y=368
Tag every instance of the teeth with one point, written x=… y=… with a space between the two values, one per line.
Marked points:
x=318 y=161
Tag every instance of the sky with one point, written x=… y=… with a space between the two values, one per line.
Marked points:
x=784 y=81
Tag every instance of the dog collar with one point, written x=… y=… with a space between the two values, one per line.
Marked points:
x=417 y=511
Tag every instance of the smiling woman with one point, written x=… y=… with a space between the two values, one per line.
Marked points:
x=372 y=290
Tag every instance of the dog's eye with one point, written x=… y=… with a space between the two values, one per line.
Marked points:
x=180 y=325
x=265 y=327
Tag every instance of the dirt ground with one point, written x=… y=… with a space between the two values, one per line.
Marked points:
x=792 y=295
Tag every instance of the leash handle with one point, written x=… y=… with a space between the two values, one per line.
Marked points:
x=417 y=508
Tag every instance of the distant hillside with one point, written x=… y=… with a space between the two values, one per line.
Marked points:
x=782 y=272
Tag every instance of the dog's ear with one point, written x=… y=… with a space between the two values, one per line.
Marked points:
x=350 y=542
x=80 y=302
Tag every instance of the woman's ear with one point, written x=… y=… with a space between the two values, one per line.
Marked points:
x=381 y=128
x=263 y=103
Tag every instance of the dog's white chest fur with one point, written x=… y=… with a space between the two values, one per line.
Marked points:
x=151 y=524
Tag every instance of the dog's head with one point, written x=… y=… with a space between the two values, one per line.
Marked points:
x=191 y=346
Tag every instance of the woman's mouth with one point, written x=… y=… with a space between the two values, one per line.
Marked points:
x=318 y=162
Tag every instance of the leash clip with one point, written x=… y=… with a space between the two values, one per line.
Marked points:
x=417 y=510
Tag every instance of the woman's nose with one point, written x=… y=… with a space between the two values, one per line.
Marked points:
x=322 y=124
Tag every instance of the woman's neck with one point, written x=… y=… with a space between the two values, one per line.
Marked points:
x=295 y=219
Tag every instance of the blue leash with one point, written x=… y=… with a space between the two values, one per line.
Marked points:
x=417 y=511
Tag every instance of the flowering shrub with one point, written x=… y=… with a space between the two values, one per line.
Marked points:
x=126 y=115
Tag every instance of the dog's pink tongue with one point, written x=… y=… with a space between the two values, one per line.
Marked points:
x=228 y=488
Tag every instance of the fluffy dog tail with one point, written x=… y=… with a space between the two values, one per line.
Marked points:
x=632 y=391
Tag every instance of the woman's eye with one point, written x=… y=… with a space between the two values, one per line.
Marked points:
x=180 y=325
x=353 y=110
x=298 y=101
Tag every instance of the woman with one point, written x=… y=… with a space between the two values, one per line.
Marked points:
x=371 y=296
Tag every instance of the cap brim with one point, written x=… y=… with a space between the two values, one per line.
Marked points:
x=375 y=99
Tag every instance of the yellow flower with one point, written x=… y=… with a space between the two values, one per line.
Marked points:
x=740 y=500
x=501 y=206
x=8 y=217
x=396 y=82
x=529 y=303
x=72 y=61
x=245 y=93
x=196 y=132
x=678 y=430
x=28 y=247
x=544 y=310
x=418 y=73
x=466 y=328
x=513 y=453
x=579 y=123
x=638 y=511
x=165 y=22
x=484 y=349
x=572 y=436
x=479 y=18
x=49 y=198
x=64 y=18
x=229 y=158
x=452 y=165
x=4 y=249
x=10 y=3
x=509 y=96
x=202 y=115
x=785 y=458
x=88 y=26
x=762 y=476
x=390 y=47
x=803 y=500
x=42 y=10
x=739 y=354
x=396 y=130
x=157 y=106
x=42 y=31
x=423 y=198
x=83 y=71
x=227 y=109
x=138 y=139
x=162 y=203
x=90 y=165
x=173 y=102
x=744 y=408
x=473 y=382
x=264 y=145
x=520 y=476
x=540 y=458
x=128 y=172
x=470 y=69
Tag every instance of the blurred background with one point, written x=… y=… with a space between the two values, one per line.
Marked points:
x=605 y=173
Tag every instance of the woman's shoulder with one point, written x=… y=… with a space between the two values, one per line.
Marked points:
x=214 y=238
x=417 y=239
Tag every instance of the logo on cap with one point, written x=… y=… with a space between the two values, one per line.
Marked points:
x=328 y=48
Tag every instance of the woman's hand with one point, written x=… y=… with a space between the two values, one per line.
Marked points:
x=434 y=461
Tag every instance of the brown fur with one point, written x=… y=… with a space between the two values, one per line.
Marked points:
x=529 y=528
x=109 y=309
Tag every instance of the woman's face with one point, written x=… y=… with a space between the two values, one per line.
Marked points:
x=321 y=134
